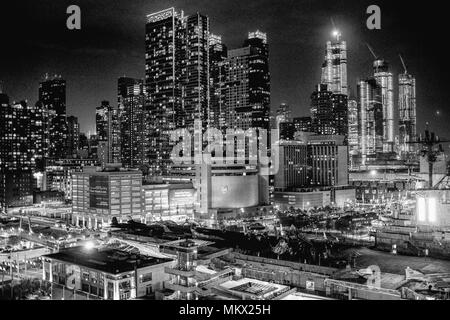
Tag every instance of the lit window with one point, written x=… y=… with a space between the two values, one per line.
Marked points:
x=421 y=210
x=432 y=210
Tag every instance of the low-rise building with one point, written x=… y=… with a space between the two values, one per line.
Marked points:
x=175 y=202
x=103 y=273
x=98 y=195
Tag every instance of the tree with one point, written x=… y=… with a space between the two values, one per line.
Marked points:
x=13 y=241
x=114 y=221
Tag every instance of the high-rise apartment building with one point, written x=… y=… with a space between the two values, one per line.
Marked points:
x=102 y=120
x=16 y=153
x=40 y=135
x=73 y=136
x=339 y=104
x=322 y=110
x=107 y=123
x=217 y=79
x=196 y=95
x=303 y=124
x=133 y=122
x=248 y=84
x=52 y=95
x=176 y=79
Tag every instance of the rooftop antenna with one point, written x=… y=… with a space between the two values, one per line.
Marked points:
x=371 y=51
x=403 y=63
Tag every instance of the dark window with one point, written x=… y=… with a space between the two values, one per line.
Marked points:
x=85 y=287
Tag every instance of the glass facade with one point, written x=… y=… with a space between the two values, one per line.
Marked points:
x=407 y=115
x=334 y=68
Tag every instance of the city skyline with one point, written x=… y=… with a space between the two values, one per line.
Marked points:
x=294 y=71
x=205 y=151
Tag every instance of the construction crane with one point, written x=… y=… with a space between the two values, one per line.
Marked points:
x=403 y=63
x=371 y=51
x=431 y=148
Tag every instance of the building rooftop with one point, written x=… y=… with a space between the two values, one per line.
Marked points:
x=107 y=260
x=253 y=287
x=304 y=296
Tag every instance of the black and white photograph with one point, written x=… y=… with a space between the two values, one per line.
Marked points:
x=224 y=158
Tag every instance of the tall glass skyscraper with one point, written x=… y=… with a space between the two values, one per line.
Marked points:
x=108 y=130
x=133 y=122
x=407 y=114
x=334 y=68
x=328 y=112
x=16 y=153
x=73 y=136
x=371 y=118
x=101 y=121
x=248 y=84
x=176 y=78
x=52 y=94
x=385 y=79
x=353 y=131
x=322 y=110
x=217 y=79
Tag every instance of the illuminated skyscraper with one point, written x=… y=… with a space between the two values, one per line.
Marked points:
x=407 y=116
x=217 y=79
x=196 y=71
x=322 y=110
x=40 y=135
x=353 y=131
x=371 y=119
x=133 y=119
x=16 y=153
x=101 y=121
x=73 y=136
x=303 y=124
x=334 y=68
x=108 y=130
x=248 y=84
x=328 y=112
x=386 y=82
x=52 y=94
x=339 y=103
x=176 y=78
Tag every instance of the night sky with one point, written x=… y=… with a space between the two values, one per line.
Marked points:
x=35 y=40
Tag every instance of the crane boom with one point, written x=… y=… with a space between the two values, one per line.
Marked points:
x=403 y=63
x=371 y=51
x=332 y=22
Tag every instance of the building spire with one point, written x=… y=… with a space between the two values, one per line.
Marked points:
x=336 y=33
